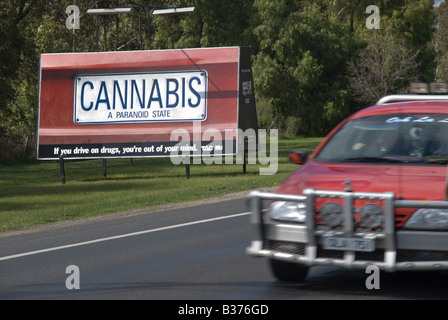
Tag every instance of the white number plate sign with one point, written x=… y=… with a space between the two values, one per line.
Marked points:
x=348 y=244
x=141 y=97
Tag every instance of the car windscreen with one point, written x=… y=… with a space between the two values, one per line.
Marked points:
x=390 y=138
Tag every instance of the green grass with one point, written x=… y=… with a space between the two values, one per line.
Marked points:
x=33 y=194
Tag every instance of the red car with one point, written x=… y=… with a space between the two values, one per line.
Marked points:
x=372 y=193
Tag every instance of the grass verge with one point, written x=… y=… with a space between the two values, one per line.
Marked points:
x=32 y=193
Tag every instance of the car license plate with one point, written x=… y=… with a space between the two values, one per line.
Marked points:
x=348 y=244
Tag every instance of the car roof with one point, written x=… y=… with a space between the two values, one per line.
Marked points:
x=411 y=97
x=406 y=104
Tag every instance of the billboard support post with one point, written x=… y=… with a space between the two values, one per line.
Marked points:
x=244 y=161
x=104 y=168
x=187 y=169
x=62 y=169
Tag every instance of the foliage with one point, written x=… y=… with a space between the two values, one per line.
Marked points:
x=301 y=65
x=301 y=49
x=441 y=41
x=384 y=67
x=213 y=24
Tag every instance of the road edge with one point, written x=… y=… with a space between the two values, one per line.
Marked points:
x=129 y=213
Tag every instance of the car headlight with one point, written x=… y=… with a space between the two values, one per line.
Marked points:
x=428 y=219
x=288 y=211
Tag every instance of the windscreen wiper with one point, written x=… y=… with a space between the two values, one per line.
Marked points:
x=383 y=159
x=436 y=159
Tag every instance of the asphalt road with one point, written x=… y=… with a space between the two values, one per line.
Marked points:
x=192 y=253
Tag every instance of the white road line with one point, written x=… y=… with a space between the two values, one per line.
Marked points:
x=132 y=234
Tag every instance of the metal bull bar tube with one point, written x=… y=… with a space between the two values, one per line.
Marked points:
x=307 y=235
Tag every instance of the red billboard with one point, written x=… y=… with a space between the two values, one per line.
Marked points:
x=127 y=104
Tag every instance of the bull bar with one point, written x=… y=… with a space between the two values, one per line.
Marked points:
x=391 y=245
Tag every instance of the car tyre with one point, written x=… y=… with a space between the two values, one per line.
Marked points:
x=288 y=271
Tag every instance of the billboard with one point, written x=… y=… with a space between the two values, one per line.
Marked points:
x=128 y=104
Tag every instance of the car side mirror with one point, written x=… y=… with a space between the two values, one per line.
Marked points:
x=298 y=156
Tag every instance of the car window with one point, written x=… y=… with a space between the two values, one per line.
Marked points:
x=399 y=138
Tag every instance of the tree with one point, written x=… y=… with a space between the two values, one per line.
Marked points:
x=413 y=22
x=300 y=48
x=301 y=66
x=12 y=45
x=351 y=11
x=213 y=24
x=384 y=67
x=17 y=110
x=441 y=41
x=399 y=52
